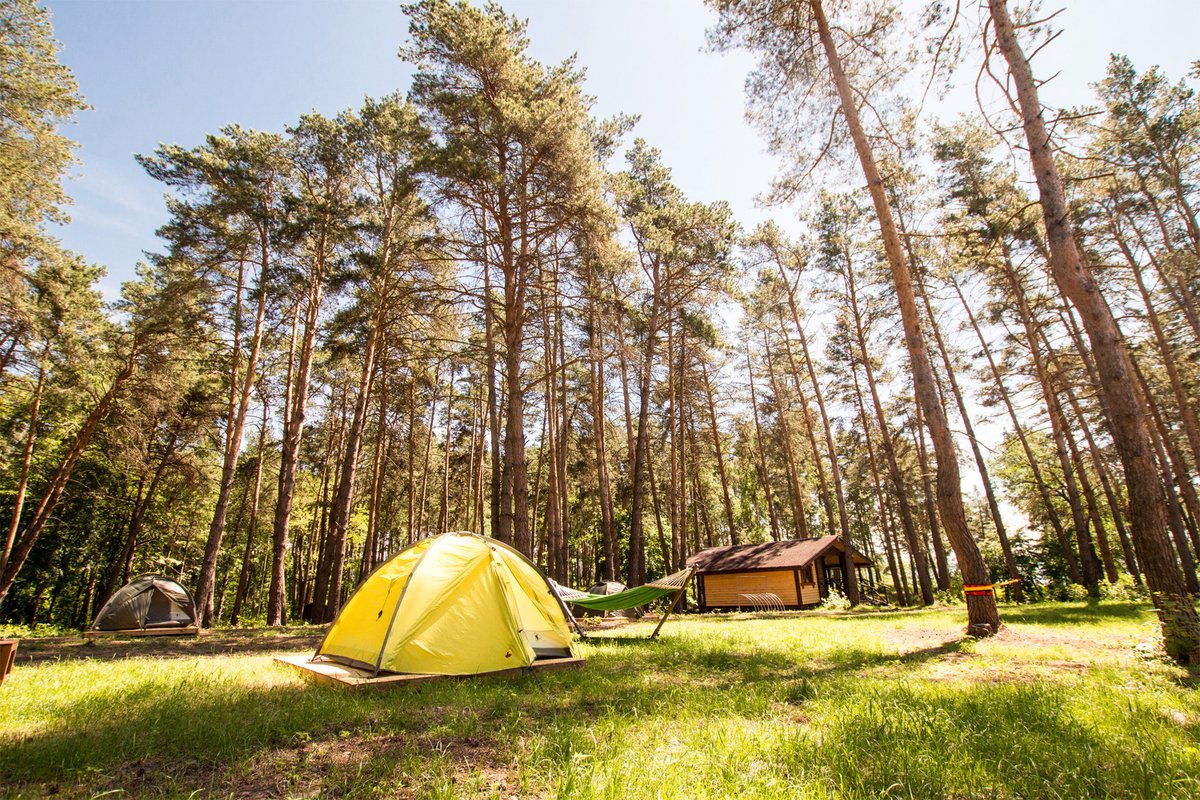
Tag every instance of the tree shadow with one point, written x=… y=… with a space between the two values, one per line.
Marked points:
x=249 y=641
x=1092 y=612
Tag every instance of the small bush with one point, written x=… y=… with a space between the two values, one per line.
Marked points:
x=948 y=598
x=1123 y=589
x=1073 y=593
x=18 y=631
x=835 y=601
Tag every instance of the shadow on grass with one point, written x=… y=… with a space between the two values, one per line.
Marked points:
x=250 y=641
x=1092 y=612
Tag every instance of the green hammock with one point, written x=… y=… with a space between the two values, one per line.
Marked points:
x=630 y=598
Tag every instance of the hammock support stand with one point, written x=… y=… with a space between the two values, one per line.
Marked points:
x=674 y=585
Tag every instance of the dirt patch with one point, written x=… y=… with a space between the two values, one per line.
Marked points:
x=248 y=641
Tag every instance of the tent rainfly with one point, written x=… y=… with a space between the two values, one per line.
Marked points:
x=150 y=605
x=454 y=604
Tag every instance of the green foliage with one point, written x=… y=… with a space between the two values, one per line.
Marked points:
x=37 y=96
x=835 y=601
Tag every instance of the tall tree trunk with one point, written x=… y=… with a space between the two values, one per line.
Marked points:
x=326 y=607
x=239 y=407
x=293 y=433
x=983 y=618
x=980 y=464
x=1180 y=624
x=26 y=462
x=608 y=528
x=888 y=445
x=940 y=562
x=635 y=563
x=880 y=498
x=799 y=517
x=497 y=520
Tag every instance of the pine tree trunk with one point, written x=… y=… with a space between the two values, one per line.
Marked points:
x=26 y=462
x=799 y=517
x=983 y=618
x=608 y=529
x=635 y=562
x=243 y=587
x=900 y=490
x=343 y=498
x=239 y=408
x=289 y=458
x=980 y=464
x=1180 y=624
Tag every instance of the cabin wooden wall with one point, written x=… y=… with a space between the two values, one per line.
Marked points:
x=725 y=590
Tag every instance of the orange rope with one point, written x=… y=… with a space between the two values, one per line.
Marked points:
x=984 y=587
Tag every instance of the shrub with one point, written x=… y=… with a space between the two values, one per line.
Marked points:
x=835 y=601
x=1123 y=589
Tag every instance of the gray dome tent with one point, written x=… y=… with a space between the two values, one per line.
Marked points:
x=148 y=605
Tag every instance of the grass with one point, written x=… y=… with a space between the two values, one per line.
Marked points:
x=1068 y=701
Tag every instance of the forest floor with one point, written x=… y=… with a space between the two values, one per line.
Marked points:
x=1068 y=701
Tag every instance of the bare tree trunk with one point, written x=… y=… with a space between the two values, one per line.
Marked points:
x=635 y=563
x=969 y=428
x=880 y=498
x=765 y=476
x=293 y=432
x=982 y=614
x=799 y=517
x=608 y=528
x=343 y=498
x=1180 y=624
x=239 y=407
x=940 y=562
x=498 y=522
x=823 y=493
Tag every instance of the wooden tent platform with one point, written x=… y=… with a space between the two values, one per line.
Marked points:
x=188 y=631
x=341 y=675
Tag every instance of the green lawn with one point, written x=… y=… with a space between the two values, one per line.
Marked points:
x=1068 y=701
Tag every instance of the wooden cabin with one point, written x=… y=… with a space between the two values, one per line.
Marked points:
x=797 y=573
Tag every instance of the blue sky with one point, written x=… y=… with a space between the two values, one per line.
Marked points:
x=174 y=71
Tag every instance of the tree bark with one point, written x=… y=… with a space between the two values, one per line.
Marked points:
x=983 y=618
x=1180 y=624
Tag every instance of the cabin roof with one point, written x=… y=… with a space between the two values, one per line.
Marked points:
x=788 y=554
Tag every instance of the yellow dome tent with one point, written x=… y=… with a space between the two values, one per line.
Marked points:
x=454 y=604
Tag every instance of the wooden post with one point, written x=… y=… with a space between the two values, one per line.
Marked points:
x=674 y=602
